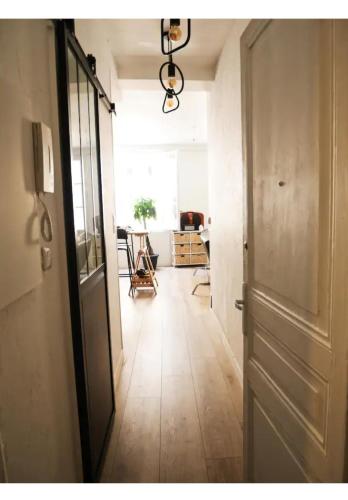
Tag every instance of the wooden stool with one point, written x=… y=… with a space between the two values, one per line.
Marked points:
x=149 y=280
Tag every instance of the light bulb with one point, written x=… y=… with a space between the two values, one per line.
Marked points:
x=175 y=33
x=171 y=82
x=170 y=102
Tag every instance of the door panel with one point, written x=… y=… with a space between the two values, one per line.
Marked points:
x=292 y=134
x=79 y=130
x=307 y=393
x=88 y=234
x=97 y=356
x=295 y=370
x=280 y=463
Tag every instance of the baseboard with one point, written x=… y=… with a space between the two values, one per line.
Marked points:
x=230 y=354
x=118 y=369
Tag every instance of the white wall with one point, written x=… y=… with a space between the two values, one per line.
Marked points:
x=140 y=120
x=193 y=181
x=226 y=191
x=93 y=41
x=161 y=244
x=38 y=409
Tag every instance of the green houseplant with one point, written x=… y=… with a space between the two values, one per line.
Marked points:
x=145 y=209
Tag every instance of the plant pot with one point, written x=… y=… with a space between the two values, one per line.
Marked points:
x=153 y=259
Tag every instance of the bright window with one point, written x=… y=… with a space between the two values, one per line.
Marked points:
x=144 y=173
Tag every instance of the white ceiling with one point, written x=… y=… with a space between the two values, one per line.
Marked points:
x=136 y=46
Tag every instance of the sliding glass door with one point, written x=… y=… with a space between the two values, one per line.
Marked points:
x=84 y=170
x=78 y=103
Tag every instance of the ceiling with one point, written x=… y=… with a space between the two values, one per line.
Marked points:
x=136 y=47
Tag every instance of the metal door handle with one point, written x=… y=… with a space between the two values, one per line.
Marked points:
x=239 y=304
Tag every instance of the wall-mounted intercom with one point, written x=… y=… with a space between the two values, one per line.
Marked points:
x=44 y=180
x=43 y=151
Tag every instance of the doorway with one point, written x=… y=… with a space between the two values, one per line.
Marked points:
x=176 y=364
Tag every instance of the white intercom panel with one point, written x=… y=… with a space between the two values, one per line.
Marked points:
x=43 y=150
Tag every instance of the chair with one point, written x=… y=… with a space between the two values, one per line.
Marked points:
x=190 y=221
x=205 y=240
x=123 y=244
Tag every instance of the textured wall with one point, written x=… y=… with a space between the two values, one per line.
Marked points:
x=226 y=190
x=38 y=411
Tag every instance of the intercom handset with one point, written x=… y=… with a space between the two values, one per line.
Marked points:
x=44 y=179
x=43 y=151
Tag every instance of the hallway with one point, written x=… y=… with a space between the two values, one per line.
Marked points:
x=179 y=404
x=224 y=138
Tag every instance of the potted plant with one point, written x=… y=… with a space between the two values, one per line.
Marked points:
x=145 y=209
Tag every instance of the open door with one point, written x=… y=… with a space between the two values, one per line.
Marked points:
x=79 y=93
x=295 y=133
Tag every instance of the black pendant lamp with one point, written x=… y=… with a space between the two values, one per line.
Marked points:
x=170 y=102
x=174 y=34
x=171 y=86
x=173 y=71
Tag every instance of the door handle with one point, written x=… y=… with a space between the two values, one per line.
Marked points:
x=242 y=305
x=239 y=304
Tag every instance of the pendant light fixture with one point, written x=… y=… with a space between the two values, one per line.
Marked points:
x=171 y=76
x=170 y=102
x=172 y=82
x=172 y=86
x=174 y=34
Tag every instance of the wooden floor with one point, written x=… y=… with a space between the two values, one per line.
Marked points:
x=179 y=404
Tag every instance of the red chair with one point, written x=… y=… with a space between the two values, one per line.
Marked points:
x=190 y=221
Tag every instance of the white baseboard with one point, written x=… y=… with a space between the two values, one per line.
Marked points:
x=230 y=354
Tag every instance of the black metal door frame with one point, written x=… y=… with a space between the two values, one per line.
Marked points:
x=65 y=39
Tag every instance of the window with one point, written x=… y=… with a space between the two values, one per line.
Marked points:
x=84 y=171
x=144 y=173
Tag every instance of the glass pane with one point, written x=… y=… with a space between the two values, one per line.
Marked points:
x=95 y=180
x=76 y=169
x=87 y=169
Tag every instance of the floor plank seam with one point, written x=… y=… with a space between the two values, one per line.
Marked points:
x=126 y=396
x=194 y=391
x=160 y=419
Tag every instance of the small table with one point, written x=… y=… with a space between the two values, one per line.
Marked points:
x=149 y=280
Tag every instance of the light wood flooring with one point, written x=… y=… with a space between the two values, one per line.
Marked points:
x=179 y=403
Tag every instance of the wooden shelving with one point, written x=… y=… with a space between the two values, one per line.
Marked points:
x=188 y=249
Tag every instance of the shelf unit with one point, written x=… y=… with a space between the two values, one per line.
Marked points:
x=188 y=249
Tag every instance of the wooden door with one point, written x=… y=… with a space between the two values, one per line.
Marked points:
x=81 y=165
x=295 y=133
